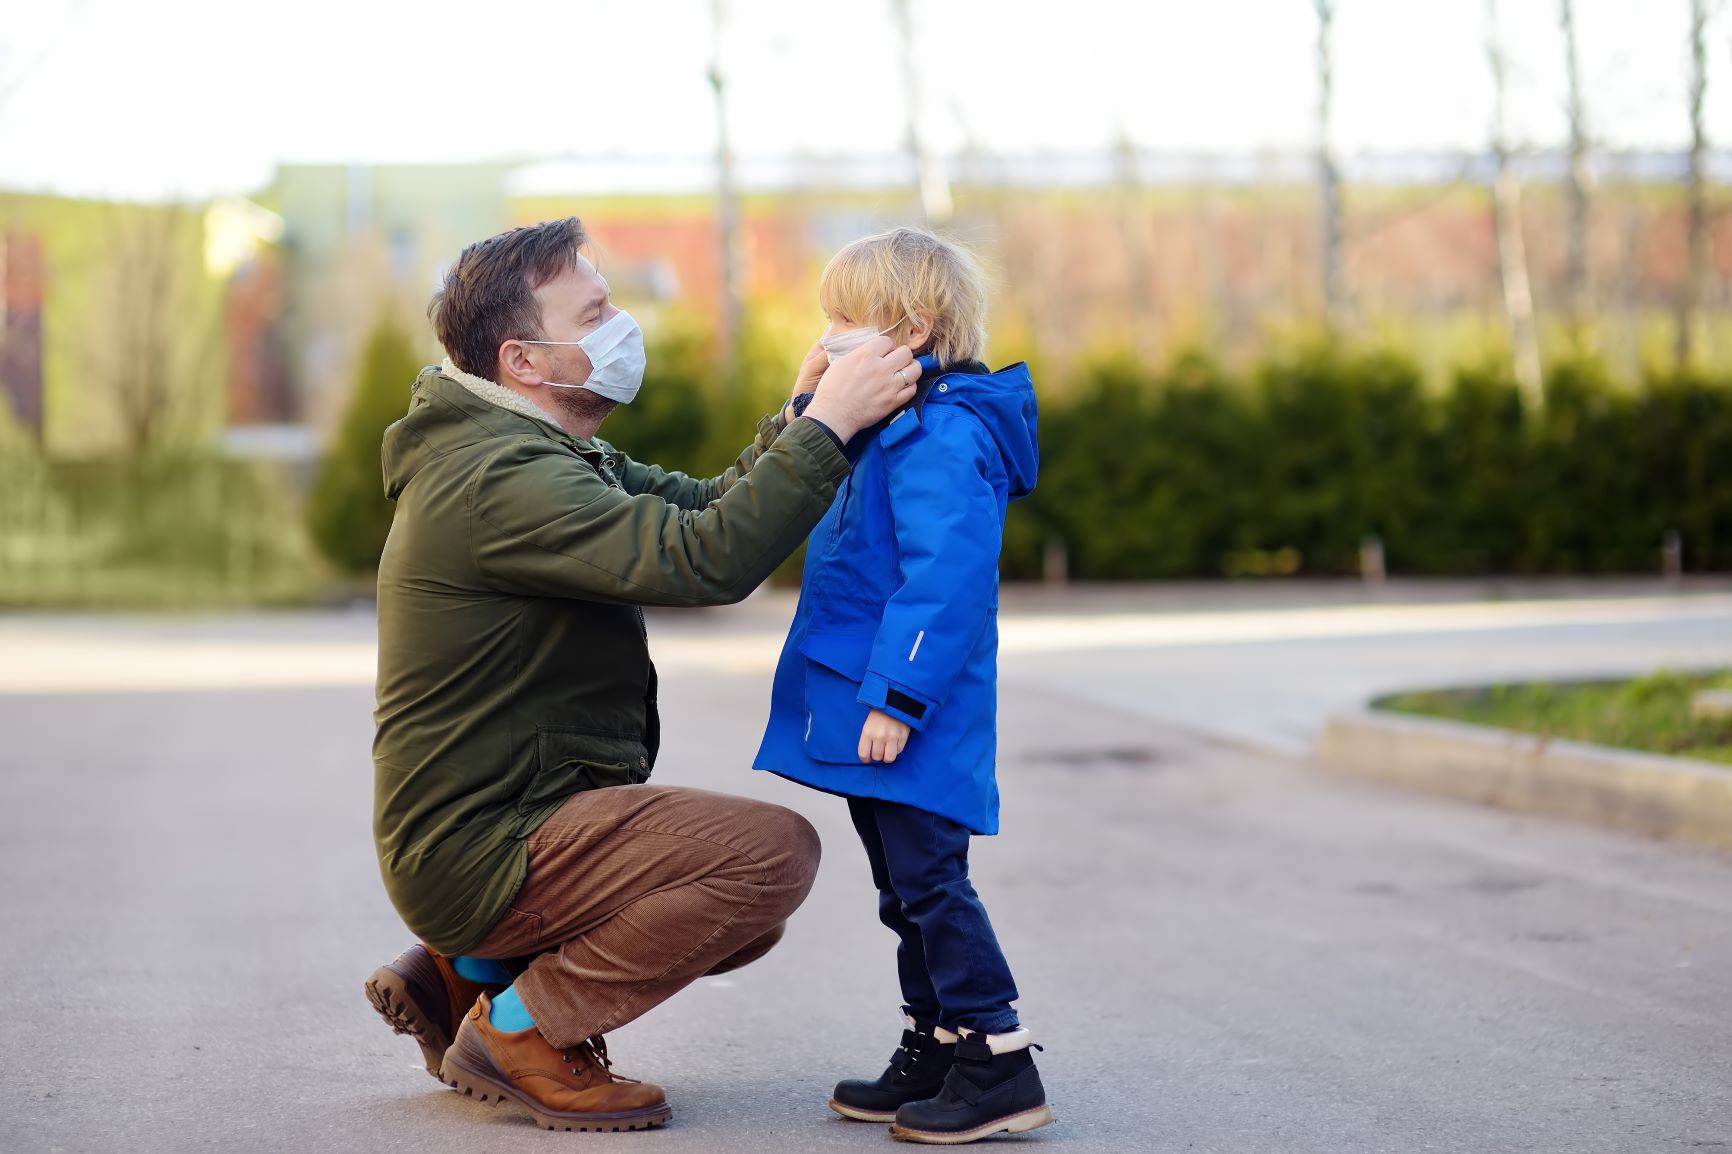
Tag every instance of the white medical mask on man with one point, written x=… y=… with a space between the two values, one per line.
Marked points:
x=838 y=345
x=616 y=357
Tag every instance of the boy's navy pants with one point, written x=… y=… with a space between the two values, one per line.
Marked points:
x=952 y=971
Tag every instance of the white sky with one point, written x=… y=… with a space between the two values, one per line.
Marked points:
x=195 y=97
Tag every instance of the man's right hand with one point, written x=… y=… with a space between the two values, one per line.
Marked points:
x=864 y=387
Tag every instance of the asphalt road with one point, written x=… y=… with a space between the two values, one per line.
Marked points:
x=1268 y=679
x=1221 y=948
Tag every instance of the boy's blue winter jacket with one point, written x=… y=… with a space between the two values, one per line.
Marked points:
x=899 y=603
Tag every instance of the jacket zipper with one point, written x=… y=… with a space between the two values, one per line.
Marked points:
x=605 y=471
x=842 y=514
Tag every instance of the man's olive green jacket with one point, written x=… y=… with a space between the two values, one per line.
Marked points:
x=513 y=667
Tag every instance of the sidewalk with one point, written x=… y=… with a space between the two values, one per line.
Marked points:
x=1257 y=664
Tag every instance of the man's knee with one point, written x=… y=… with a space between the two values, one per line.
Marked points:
x=751 y=952
x=795 y=848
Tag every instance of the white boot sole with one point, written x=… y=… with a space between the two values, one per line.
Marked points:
x=1014 y=1124
x=858 y=1115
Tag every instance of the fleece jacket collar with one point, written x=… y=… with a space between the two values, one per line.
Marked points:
x=497 y=394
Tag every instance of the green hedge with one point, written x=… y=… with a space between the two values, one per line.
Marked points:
x=1192 y=472
x=181 y=531
x=348 y=514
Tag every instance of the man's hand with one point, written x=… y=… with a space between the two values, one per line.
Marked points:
x=811 y=369
x=883 y=737
x=864 y=387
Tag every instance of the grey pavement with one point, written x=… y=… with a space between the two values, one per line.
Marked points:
x=1221 y=948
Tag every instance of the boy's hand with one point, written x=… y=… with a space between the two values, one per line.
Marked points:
x=811 y=370
x=882 y=738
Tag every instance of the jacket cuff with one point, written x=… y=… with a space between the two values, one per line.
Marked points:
x=837 y=441
x=820 y=444
x=910 y=708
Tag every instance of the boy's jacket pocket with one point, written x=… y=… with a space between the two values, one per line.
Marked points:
x=846 y=653
x=835 y=666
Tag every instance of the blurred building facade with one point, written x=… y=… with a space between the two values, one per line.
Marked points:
x=21 y=327
x=1089 y=255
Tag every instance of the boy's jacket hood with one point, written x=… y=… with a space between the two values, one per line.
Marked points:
x=1004 y=403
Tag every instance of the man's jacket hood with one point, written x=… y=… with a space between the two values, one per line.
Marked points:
x=431 y=430
x=405 y=452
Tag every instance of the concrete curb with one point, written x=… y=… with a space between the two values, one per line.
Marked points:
x=1665 y=797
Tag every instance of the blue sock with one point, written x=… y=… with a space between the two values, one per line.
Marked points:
x=509 y=1014
x=487 y=971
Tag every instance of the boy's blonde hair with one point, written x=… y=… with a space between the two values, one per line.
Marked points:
x=908 y=272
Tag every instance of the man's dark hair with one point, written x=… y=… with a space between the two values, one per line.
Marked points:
x=488 y=296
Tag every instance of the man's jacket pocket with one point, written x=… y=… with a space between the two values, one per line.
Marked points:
x=571 y=759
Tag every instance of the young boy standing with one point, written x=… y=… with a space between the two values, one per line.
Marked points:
x=886 y=692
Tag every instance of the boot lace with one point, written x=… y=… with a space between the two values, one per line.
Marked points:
x=592 y=1052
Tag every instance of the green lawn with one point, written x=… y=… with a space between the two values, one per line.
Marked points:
x=1649 y=713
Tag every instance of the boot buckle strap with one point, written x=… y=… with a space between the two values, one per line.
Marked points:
x=959 y=1085
x=974 y=1048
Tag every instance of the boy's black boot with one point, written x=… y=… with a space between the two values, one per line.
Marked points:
x=916 y=1071
x=993 y=1087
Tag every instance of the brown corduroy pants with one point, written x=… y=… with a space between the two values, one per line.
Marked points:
x=635 y=891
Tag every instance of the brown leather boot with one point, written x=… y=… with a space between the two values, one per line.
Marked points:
x=570 y=1089
x=419 y=994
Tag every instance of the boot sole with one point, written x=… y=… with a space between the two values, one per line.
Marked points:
x=854 y=1113
x=1013 y=1124
x=486 y=1089
x=389 y=994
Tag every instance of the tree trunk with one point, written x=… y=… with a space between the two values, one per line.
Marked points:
x=932 y=183
x=1581 y=287
x=727 y=209
x=1328 y=171
x=1512 y=257
x=1691 y=330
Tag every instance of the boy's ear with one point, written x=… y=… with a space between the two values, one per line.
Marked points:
x=919 y=332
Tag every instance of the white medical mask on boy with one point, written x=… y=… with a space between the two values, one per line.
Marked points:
x=841 y=344
x=616 y=357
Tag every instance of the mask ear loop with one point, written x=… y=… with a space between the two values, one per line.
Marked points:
x=576 y=344
x=552 y=384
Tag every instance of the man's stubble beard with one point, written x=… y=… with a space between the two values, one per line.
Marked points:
x=582 y=407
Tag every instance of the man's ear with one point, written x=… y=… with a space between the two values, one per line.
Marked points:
x=515 y=365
